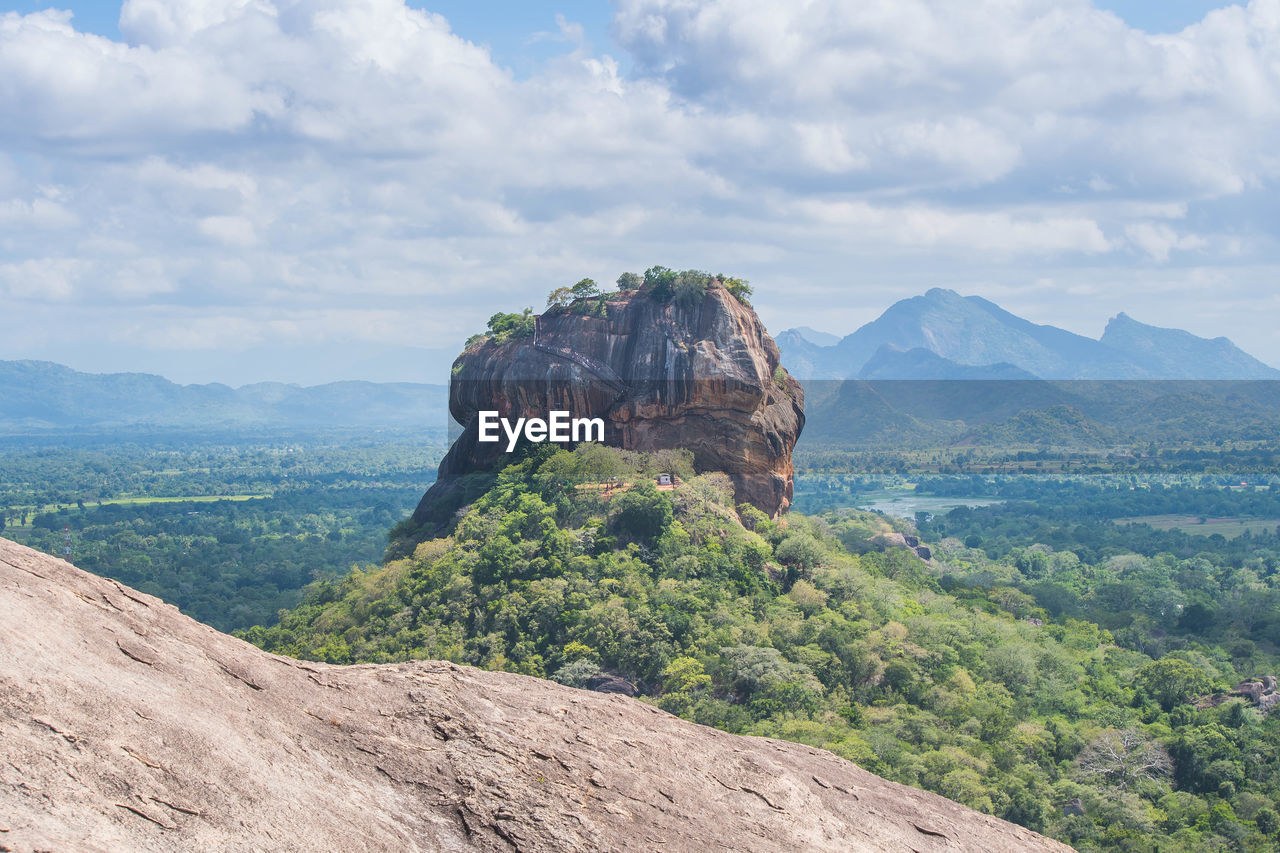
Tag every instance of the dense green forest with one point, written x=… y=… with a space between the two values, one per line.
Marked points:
x=227 y=529
x=1042 y=665
x=1084 y=415
x=830 y=476
x=950 y=674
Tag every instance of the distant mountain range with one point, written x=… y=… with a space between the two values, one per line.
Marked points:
x=1053 y=413
x=40 y=395
x=943 y=335
x=939 y=336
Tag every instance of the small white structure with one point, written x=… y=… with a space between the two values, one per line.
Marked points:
x=664 y=480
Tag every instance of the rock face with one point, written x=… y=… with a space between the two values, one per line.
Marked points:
x=704 y=377
x=126 y=726
x=1261 y=692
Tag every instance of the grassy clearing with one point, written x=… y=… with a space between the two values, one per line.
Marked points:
x=200 y=499
x=1230 y=527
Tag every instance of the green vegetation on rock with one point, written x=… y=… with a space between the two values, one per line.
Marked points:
x=821 y=631
x=685 y=288
x=506 y=327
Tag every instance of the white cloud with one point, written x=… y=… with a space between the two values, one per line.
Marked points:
x=37 y=213
x=1158 y=240
x=301 y=160
x=41 y=279
x=160 y=23
x=233 y=231
x=1031 y=90
x=206 y=332
x=919 y=226
x=76 y=89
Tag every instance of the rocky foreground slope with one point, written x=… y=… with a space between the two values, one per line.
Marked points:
x=662 y=374
x=125 y=725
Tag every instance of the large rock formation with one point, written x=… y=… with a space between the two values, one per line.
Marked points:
x=702 y=376
x=127 y=726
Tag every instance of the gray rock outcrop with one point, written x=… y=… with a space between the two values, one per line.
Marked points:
x=661 y=375
x=126 y=726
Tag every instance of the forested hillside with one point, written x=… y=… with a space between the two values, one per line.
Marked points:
x=1004 y=413
x=948 y=674
x=227 y=528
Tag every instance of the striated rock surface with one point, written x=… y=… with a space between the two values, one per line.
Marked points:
x=704 y=377
x=126 y=726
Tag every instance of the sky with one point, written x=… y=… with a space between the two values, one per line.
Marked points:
x=312 y=190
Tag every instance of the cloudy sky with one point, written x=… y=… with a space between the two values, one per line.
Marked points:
x=306 y=190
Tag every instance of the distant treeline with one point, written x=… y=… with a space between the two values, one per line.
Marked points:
x=1005 y=413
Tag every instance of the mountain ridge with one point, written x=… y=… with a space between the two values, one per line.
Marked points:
x=1175 y=354
x=891 y=362
x=44 y=395
x=973 y=332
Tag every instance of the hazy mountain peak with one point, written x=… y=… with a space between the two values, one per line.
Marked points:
x=941 y=294
x=1178 y=354
x=893 y=362
x=813 y=336
x=972 y=332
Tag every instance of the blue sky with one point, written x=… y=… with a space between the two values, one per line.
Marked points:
x=307 y=190
x=510 y=28
x=520 y=34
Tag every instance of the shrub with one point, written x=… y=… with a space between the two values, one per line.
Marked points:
x=559 y=299
x=641 y=513
x=581 y=298
x=659 y=279
x=689 y=288
x=738 y=288
x=576 y=674
x=506 y=327
x=800 y=551
x=685 y=675
x=1171 y=681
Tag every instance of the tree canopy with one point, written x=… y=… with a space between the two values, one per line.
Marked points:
x=774 y=627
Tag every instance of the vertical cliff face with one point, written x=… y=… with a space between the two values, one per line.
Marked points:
x=662 y=374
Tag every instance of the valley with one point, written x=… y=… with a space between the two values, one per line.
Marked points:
x=1044 y=543
x=999 y=591
x=650 y=425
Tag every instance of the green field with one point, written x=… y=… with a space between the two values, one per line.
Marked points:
x=1205 y=526
x=188 y=498
x=29 y=510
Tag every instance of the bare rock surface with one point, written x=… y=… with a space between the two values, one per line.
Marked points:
x=705 y=377
x=126 y=726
